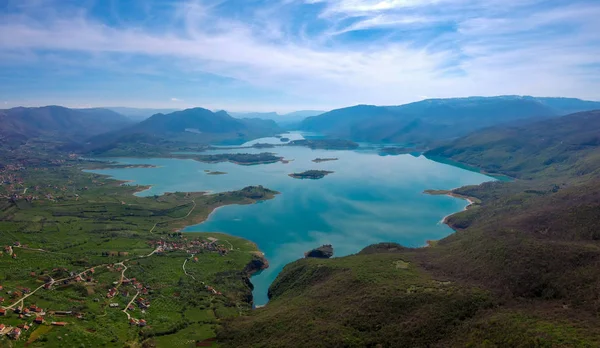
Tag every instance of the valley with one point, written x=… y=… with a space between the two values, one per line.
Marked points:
x=160 y=240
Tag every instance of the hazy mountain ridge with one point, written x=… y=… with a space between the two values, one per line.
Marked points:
x=60 y=122
x=196 y=125
x=139 y=114
x=433 y=119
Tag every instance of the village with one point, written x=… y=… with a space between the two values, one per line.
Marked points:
x=31 y=315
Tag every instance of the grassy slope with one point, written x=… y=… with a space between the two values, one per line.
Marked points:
x=523 y=268
x=75 y=231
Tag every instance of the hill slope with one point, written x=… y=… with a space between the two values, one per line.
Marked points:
x=58 y=121
x=522 y=270
x=433 y=119
x=195 y=125
x=548 y=147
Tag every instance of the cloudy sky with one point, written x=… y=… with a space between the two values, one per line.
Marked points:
x=284 y=55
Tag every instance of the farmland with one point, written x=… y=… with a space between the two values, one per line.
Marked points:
x=97 y=265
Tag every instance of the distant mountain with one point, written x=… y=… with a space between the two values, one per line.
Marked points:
x=435 y=119
x=59 y=122
x=569 y=143
x=284 y=120
x=140 y=114
x=196 y=125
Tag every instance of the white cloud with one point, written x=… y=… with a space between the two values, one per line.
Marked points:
x=495 y=49
x=176 y=100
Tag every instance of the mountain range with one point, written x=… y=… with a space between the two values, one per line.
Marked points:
x=59 y=122
x=430 y=120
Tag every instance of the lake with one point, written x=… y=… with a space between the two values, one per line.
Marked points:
x=368 y=199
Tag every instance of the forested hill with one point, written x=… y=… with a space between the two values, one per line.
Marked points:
x=196 y=125
x=568 y=145
x=522 y=270
x=434 y=119
x=58 y=122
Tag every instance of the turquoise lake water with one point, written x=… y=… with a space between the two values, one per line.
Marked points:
x=369 y=199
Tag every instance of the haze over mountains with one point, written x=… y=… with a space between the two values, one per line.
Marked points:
x=422 y=123
x=60 y=122
x=434 y=119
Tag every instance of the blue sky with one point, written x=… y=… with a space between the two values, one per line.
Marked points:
x=285 y=55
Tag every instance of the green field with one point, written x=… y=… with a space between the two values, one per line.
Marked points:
x=68 y=221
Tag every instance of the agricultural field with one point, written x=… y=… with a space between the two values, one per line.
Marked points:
x=95 y=265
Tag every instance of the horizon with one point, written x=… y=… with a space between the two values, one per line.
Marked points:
x=279 y=113
x=289 y=55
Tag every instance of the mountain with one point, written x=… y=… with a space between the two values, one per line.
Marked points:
x=139 y=114
x=195 y=125
x=434 y=119
x=522 y=269
x=59 y=122
x=289 y=120
x=547 y=148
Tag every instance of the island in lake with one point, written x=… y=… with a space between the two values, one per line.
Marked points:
x=210 y=172
x=311 y=174
x=245 y=159
x=319 y=160
x=325 y=144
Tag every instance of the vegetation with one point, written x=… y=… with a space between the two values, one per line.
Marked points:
x=326 y=144
x=237 y=158
x=20 y=124
x=208 y=172
x=191 y=126
x=319 y=160
x=60 y=223
x=311 y=174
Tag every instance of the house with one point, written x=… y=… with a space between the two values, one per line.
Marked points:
x=113 y=305
x=23 y=327
x=2 y=327
x=142 y=323
x=2 y=312
x=132 y=322
x=15 y=333
x=39 y=320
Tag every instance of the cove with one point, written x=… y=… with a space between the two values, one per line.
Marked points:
x=368 y=199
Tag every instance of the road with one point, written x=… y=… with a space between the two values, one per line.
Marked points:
x=129 y=304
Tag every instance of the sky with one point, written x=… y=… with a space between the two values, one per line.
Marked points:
x=286 y=55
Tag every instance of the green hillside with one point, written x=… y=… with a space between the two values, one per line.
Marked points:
x=522 y=270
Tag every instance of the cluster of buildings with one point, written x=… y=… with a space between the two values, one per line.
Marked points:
x=190 y=247
x=25 y=313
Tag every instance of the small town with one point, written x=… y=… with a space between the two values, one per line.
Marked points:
x=31 y=315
